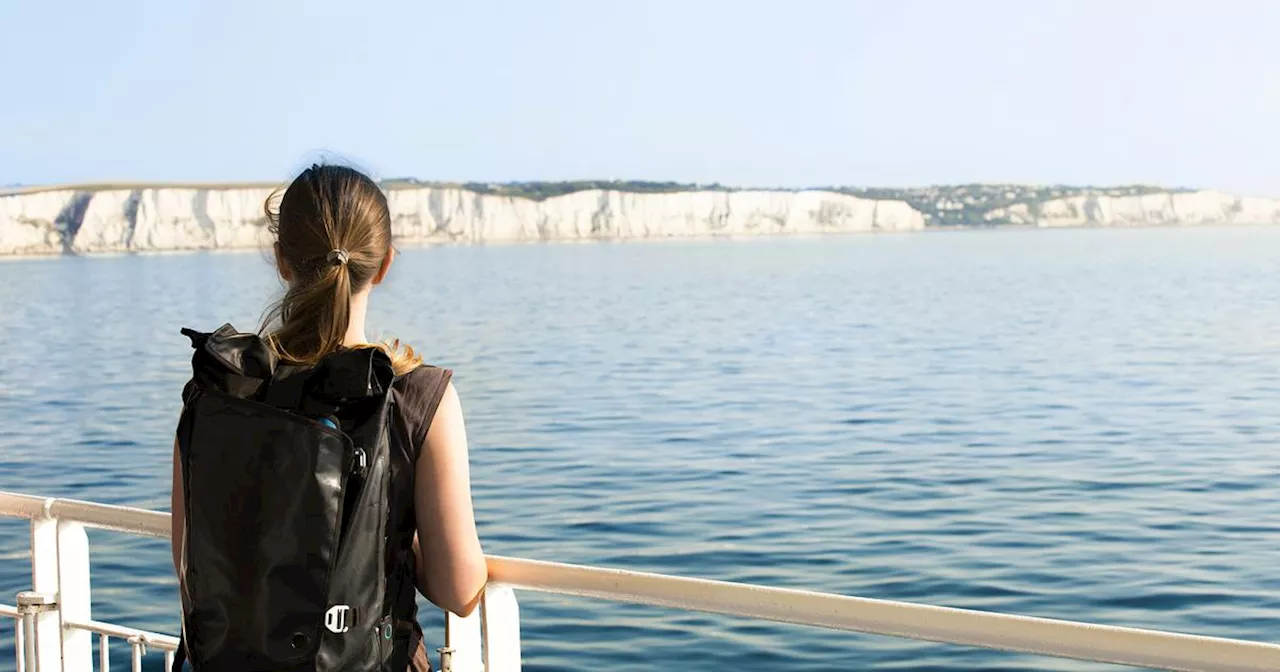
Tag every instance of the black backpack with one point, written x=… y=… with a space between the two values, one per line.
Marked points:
x=287 y=557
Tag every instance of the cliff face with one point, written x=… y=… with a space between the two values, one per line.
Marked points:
x=1178 y=208
x=37 y=223
x=454 y=214
x=128 y=220
x=143 y=219
x=173 y=218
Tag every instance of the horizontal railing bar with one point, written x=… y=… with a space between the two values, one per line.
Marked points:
x=1063 y=639
x=152 y=639
x=10 y=612
x=89 y=514
x=1049 y=637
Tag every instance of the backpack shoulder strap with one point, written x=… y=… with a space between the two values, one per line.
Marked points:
x=184 y=421
x=419 y=393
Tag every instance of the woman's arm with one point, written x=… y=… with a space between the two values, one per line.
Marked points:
x=177 y=510
x=451 y=566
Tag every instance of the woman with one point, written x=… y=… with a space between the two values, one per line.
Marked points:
x=333 y=246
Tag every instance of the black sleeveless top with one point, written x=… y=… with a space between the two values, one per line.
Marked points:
x=417 y=396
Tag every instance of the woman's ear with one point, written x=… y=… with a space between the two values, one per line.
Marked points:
x=386 y=266
x=282 y=266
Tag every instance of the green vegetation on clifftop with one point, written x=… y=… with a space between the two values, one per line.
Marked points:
x=968 y=204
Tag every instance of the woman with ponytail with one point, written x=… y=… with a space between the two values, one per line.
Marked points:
x=332 y=230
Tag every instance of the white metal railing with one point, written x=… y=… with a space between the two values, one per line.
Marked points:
x=53 y=629
x=57 y=629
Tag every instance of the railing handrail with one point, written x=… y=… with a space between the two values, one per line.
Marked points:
x=153 y=639
x=1051 y=637
x=90 y=514
x=992 y=630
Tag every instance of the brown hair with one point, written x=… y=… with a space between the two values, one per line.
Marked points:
x=333 y=230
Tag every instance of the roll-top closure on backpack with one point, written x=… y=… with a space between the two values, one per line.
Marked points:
x=243 y=365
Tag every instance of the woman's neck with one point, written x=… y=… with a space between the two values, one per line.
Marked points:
x=355 y=324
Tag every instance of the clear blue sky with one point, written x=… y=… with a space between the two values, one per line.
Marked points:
x=743 y=92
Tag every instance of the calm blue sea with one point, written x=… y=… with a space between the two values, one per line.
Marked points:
x=1075 y=424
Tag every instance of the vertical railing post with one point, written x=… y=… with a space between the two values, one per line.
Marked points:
x=31 y=605
x=500 y=628
x=20 y=645
x=137 y=649
x=75 y=600
x=46 y=640
x=461 y=651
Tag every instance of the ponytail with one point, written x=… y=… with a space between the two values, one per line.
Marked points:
x=313 y=317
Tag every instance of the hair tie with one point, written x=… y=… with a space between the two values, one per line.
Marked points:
x=338 y=257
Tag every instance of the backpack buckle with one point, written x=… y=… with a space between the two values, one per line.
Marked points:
x=335 y=620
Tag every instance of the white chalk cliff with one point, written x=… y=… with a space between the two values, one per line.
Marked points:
x=1188 y=208
x=178 y=218
x=87 y=221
